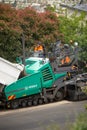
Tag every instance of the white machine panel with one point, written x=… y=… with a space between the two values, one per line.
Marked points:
x=9 y=72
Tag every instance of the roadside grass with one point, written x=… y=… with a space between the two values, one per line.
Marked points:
x=79 y=124
x=53 y=127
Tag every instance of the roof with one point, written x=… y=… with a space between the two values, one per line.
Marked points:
x=79 y=7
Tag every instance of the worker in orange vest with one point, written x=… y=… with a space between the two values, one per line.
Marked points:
x=65 y=60
x=39 y=47
x=62 y=61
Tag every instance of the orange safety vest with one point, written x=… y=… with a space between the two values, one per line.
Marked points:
x=67 y=60
x=62 y=61
x=38 y=48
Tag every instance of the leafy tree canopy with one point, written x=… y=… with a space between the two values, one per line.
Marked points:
x=35 y=27
x=75 y=28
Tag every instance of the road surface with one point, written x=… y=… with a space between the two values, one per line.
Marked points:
x=41 y=117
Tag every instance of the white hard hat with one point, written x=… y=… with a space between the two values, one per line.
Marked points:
x=76 y=43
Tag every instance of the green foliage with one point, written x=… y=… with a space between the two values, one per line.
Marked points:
x=75 y=28
x=35 y=27
x=81 y=122
x=53 y=127
x=51 y=8
x=9 y=36
x=45 y=27
x=9 y=45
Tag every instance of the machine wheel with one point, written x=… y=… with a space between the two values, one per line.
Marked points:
x=46 y=101
x=35 y=102
x=29 y=103
x=23 y=103
x=73 y=95
x=40 y=101
x=14 y=104
x=51 y=100
x=59 y=96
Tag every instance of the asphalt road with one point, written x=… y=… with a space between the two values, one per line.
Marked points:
x=41 y=117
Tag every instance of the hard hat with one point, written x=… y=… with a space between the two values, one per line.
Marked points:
x=66 y=45
x=71 y=41
x=76 y=43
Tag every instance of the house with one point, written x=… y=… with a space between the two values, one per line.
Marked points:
x=79 y=7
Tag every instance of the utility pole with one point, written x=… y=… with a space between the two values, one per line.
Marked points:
x=23 y=47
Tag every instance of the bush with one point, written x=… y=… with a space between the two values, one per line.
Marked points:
x=81 y=122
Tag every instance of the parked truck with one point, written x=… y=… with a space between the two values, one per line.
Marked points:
x=36 y=83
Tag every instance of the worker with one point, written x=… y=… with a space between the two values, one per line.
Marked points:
x=74 y=67
x=71 y=41
x=39 y=47
x=72 y=45
x=65 y=60
x=39 y=50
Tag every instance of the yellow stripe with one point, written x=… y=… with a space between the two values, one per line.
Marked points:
x=10 y=97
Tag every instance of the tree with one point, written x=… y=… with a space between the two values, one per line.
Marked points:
x=35 y=27
x=39 y=26
x=51 y=8
x=75 y=28
x=9 y=35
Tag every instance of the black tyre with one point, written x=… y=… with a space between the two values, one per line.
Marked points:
x=35 y=103
x=14 y=104
x=51 y=100
x=23 y=103
x=40 y=101
x=73 y=95
x=46 y=101
x=29 y=103
x=59 y=96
